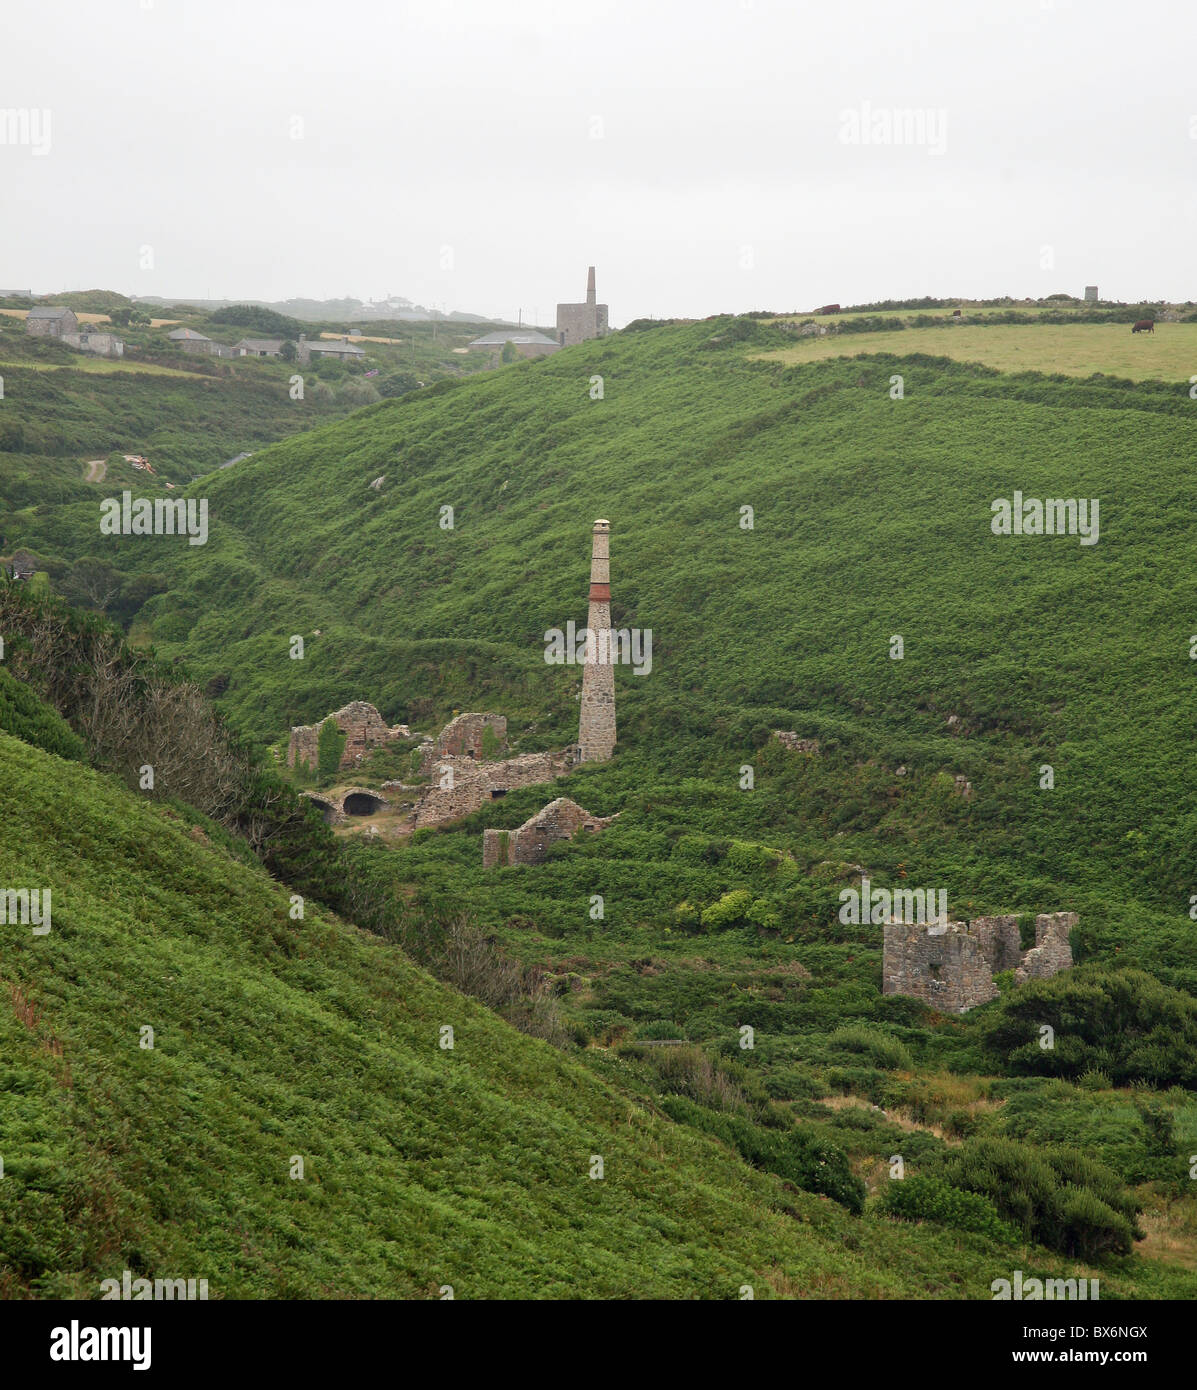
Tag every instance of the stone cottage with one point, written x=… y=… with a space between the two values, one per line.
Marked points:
x=188 y=340
x=258 y=347
x=341 y=349
x=51 y=321
x=101 y=344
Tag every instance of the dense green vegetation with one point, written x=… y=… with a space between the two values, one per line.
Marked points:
x=276 y=1038
x=719 y=922
x=256 y=317
x=60 y=410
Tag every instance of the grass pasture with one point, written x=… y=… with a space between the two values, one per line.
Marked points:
x=1080 y=350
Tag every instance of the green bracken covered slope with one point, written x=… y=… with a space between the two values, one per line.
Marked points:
x=422 y=1166
x=871 y=519
x=274 y=1038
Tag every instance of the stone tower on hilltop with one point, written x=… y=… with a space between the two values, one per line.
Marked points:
x=596 y=727
x=576 y=323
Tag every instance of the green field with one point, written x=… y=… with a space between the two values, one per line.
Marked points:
x=1168 y=354
x=97 y=366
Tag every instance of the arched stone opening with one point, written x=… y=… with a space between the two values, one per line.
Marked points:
x=362 y=804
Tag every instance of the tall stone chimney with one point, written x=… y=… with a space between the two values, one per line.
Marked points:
x=596 y=726
x=590 y=286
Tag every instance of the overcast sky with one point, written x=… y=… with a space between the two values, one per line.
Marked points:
x=706 y=155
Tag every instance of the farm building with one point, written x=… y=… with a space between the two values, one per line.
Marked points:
x=527 y=342
x=102 y=344
x=188 y=340
x=258 y=347
x=341 y=349
x=51 y=321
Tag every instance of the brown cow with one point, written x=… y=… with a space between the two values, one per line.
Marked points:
x=1144 y=326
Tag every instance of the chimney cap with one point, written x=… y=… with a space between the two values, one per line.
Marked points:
x=603 y=522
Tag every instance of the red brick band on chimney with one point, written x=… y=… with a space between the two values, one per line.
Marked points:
x=600 y=593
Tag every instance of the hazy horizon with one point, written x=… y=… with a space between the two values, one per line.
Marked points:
x=716 y=156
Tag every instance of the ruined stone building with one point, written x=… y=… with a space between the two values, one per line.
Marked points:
x=789 y=739
x=340 y=807
x=102 y=344
x=596 y=723
x=363 y=726
x=463 y=785
x=461 y=764
x=951 y=965
x=464 y=778
x=578 y=322
x=529 y=844
x=464 y=737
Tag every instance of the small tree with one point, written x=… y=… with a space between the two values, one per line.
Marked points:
x=329 y=747
x=1157 y=1127
x=509 y=353
x=491 y=747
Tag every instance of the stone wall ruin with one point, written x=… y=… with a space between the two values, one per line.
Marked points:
x=463 y=737
x=951 y=965
x=364 y=729
x=463 y=785
x=529 y=844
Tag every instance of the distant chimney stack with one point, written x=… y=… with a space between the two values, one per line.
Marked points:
x=596 y=725
x=590 y=286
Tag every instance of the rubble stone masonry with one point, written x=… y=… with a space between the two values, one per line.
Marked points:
x=596 y=724
x=364 y=727
x=529 y=844
x=950 y=965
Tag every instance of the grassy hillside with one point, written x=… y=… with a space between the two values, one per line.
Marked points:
x=422 y=1167
x=870 y=519
x=62 y=411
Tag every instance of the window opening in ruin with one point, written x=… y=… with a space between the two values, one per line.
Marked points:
x=496 y=792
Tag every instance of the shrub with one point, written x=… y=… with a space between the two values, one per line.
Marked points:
x=1084 y=1226
x=1124 y=1022
x=882 y=1050
x=330 y=745
x=24 y=716
x=730 y=911
x=470 y=960
x=799 y=1155
x=267 y=322
x=922 y=1197
x=1094 y=1080
x=791 y=1084
x=1158 y=1128
x=1056 y=1196
x=688 y=1071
